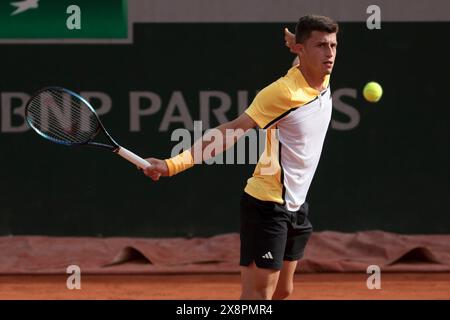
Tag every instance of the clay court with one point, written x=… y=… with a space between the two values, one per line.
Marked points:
x=334 y=267
x=348 y=286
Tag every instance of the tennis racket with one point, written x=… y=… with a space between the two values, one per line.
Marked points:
x=64 y=117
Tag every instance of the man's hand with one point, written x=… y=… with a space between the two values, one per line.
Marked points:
x=289 y=40
x=157 y=169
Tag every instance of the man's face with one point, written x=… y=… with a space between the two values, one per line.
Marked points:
x=318 y=52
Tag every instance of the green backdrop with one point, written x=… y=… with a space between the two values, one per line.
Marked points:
x=388 y=171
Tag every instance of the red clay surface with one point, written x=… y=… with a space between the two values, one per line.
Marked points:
x=338 y=286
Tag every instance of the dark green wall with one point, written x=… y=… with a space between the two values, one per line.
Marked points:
x=390 y=172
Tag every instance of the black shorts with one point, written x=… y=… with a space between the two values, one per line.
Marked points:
x=270 y=233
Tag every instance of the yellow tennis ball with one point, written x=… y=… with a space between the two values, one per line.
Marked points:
x=372 y=91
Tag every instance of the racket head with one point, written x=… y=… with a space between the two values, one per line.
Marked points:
x=62 y=116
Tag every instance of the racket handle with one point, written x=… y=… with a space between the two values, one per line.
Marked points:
x=133 y=158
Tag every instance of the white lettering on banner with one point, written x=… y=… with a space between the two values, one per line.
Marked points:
x=213 y=107
x=219 y=112
x=105 y=101
x=52 y=114
x=135 y=107
x=347 y=109
x=178 y=103
x=103 y=108
x=8 y=112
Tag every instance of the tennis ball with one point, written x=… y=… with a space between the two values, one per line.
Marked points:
x=372 y=91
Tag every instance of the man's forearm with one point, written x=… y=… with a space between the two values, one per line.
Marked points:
x=217 y=140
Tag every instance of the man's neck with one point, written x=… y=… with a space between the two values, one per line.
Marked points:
x=314 y=81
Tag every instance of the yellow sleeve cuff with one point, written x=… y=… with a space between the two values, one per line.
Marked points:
x=179 y=163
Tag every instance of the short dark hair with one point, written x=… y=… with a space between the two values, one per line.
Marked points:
x=310 y=23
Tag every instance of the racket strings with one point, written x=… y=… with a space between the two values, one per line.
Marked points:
x=62 y=116
x=79 y=112
x=60 y=135
x=46 y=127
x=58 y=129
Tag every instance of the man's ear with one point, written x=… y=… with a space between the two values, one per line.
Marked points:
x=297 y=48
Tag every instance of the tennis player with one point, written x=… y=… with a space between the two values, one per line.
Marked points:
x=274 y=213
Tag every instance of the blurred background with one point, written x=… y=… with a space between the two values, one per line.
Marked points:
x=150 y=67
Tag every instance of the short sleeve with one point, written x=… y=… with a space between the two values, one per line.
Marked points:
x=270 y=104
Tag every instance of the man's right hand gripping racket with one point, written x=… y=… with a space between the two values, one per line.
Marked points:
x=64 y=117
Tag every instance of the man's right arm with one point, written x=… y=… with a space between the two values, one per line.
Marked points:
x=240 y=125
x=243 y=123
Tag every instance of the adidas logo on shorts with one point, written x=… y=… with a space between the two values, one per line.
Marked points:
x=268 y=255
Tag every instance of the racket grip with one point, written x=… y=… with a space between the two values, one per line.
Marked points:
x=133 y=158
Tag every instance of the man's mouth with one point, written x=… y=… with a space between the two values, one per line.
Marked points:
x=328 y=63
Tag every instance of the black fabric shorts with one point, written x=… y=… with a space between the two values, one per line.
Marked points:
x=270 y=233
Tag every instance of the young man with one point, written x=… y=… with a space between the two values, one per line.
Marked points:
x=274 y=224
